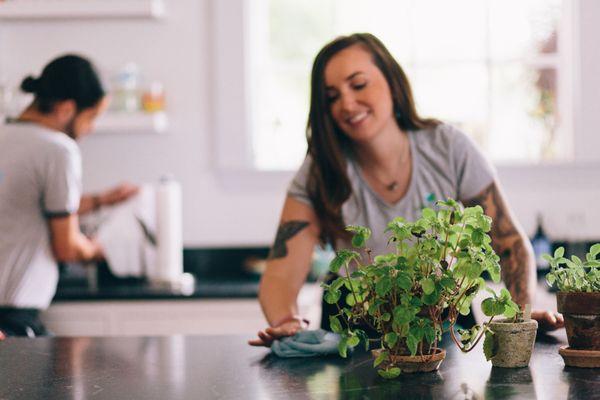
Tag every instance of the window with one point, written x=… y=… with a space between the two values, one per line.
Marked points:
x=494 y=68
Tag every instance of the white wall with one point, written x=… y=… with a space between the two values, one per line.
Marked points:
x=223 y=210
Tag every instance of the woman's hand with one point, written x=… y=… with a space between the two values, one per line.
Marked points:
x=2 y=336
x=267 y=336
x=548 y=320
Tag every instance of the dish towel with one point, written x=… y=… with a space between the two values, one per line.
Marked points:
x=307 y=344
x=126 y=236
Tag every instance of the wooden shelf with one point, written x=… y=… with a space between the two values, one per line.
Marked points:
x=67 y=9
x=139 y=122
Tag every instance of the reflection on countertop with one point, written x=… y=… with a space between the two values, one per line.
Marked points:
x=225 y=367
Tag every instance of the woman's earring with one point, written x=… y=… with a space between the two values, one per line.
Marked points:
x=398 y=115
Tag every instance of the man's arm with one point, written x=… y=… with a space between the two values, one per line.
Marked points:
x=510 y=243
x=68 y=243
x=112 y=196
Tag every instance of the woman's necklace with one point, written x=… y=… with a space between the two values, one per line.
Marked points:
x=394 y=185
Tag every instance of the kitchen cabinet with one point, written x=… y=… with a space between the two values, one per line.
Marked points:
x=195 y=316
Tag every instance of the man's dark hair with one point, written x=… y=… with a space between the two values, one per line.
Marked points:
x=69 y=77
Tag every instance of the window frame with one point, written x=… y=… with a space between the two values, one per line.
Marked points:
x=232 y=58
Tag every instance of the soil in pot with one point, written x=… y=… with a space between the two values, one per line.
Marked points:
x=417 y=363
x=513 y=342
x=582 y=319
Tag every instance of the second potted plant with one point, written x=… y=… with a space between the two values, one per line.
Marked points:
x=509 y=342
x=578 y=299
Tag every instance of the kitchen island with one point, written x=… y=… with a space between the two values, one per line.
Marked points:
x=225 y=367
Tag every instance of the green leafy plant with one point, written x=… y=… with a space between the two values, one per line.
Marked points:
x=411 y=296
x=574 y=275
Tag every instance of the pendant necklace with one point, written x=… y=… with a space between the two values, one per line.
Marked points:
x=394 y=185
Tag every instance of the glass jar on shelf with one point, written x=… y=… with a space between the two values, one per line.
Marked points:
x=153 y=98
x=126 y=97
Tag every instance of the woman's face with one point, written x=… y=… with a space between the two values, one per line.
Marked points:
x=359 y=96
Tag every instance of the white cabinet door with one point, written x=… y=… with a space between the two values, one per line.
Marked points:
x=170 y=317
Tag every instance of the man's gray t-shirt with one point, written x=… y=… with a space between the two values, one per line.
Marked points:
x=446 y=163
x=40 y=177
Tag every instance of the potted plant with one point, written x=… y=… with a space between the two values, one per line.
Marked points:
x=509 y=342
x=409 y=297
x=578 y=299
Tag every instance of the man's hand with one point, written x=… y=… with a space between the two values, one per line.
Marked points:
x=267 y=336
x=2 y=336
x=548 y=320
x=118 y=194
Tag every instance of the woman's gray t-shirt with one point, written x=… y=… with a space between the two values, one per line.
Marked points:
x=446 y=163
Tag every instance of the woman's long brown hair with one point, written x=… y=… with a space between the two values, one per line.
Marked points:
x=328 y=184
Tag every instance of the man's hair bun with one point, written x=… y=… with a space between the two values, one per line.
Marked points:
x=30 y=85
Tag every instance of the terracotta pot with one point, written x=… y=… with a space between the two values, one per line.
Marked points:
x=514 y=342
x=582 y=318
x=417 y=363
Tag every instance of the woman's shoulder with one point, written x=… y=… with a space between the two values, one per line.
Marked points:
x=442 y=135
x=441 y=139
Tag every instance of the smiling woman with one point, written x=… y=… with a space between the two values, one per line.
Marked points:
x=371 y=158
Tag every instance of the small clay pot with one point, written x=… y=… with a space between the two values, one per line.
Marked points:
x=417 y=363
x=581 y=311
x=514 y=342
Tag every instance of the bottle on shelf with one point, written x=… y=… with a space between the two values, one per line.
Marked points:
x=541 y=245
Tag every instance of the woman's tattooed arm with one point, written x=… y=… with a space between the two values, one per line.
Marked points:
x=286 y=231
x=510 y=243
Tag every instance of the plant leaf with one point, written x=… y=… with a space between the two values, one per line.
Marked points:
x=492 y=307
x=404 y=281
x=489 y=345
x=428 y=213
x=332 y=296
x=350 y=299
x=383 y=286
x=335 y=324
x=428 y=285
x=353 y=341
x=383 y=356
x=594 y=250
x=343 y=347
x=390 y=339
x=403 y=315
x=412 y=343
x=389 y=373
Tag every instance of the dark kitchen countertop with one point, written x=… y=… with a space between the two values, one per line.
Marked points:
x=225 y=367
x=146 y=291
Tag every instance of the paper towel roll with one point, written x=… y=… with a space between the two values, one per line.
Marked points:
x=169 y=255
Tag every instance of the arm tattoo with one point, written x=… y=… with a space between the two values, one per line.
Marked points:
x=516 y=258
x=286 y=231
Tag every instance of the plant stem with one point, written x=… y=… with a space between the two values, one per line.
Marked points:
x=350 y=282
x=480 y=335
x=463 y=293
x=462 y=229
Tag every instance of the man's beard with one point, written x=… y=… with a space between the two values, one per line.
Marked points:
x=70 y=128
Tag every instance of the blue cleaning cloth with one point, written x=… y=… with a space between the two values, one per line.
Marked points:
x=307 y=344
